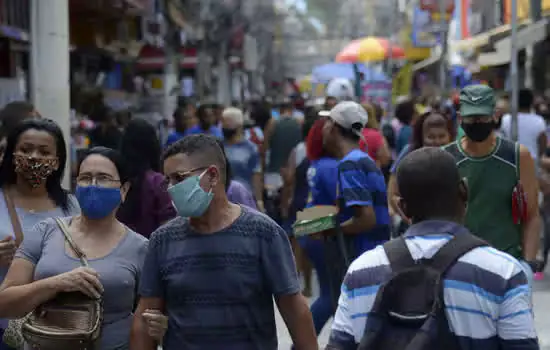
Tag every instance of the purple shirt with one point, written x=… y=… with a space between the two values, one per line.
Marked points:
x=155 y=206
x=239 y=194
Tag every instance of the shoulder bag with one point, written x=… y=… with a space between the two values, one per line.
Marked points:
x=12 y=335
x=68 y=321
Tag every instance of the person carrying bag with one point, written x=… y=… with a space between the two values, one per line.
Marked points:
x=68 y=321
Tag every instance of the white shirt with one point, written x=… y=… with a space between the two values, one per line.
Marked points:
x=530 y=126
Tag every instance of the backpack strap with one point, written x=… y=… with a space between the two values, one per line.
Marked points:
x=398 y=254
x=462 y=243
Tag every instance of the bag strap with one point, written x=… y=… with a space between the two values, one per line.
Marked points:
x=79 y=253
x=398 y=254
x=15 y=223
x=460 y=244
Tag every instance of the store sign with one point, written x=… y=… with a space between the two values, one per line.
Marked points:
x=435 y=5
x=423 y=34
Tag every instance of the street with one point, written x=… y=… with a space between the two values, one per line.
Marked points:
x=541 y=300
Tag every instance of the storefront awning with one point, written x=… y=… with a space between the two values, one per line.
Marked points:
x=527 y=36
x=480 y=40
x=433 y=59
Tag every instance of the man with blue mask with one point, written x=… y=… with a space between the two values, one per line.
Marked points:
x=216 y=268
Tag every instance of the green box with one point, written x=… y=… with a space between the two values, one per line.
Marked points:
x=308 y=227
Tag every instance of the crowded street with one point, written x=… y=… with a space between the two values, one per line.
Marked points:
x=274 y=175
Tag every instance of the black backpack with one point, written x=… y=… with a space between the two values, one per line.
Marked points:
x=409 y=311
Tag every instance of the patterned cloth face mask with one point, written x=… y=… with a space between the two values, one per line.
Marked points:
x=35 y=170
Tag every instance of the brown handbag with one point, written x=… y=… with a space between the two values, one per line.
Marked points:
x=68 y=321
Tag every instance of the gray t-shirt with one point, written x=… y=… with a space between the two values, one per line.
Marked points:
x=28 y=220
x=119 y=273
x=218 y=288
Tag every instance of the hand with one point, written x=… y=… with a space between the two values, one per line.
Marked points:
x=157 y=323
x=82 y=279
x=7 y=251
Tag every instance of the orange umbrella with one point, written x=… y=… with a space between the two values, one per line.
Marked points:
x=369 y=49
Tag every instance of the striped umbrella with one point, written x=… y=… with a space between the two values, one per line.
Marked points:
x=369 y=49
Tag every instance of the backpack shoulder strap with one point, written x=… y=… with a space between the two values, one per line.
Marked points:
x=398 y=254
x=461 y=244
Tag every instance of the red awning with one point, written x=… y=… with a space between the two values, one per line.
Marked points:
x=152 y=58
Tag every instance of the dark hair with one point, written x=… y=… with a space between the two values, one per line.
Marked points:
x=428 y=182
x=53 y=183
x=228 y=172
x=14 y=113
x=203 y=145
x=417 y=140
x=260 y=114
x=201 y=111
x=178 y=115
x=347 y=133
x=140 y=149
x=525 y=99
x=309 y=121
x=101 y=114
x=404 y=112
x=114 y=156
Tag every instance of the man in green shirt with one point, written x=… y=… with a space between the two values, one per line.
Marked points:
x=493 y=167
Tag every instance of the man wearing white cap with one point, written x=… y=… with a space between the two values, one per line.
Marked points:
x=361 y=185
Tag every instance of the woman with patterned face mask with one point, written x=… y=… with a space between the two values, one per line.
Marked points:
x=30 y=186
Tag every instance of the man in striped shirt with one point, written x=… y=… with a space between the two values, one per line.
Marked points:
x=486 y=295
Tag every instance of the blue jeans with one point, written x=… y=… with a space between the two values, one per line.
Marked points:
x=322 y=308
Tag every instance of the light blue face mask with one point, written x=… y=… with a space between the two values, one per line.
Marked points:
x=188 y=197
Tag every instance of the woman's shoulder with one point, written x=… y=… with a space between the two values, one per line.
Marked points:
x=135 y=244
x=136 y=239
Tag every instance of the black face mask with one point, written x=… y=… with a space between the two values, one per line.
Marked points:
x=478 y=132
x=229 y=133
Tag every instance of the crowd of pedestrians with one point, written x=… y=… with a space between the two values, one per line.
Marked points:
x=188 y=239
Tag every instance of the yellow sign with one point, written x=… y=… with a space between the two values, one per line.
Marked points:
x=402 y=81
x=412 y=53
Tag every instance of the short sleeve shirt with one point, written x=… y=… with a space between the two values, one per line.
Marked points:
x=361 y=183
x=244 y=159
x=322 y=178
x=218 y=288
x=119 y=273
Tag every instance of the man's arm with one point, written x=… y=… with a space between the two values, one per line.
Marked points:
x=531 y=228
x=279 y=272
x=139 y=335
x=295 y=312
x=515 y=325
x=355 y=187
x=342 y=335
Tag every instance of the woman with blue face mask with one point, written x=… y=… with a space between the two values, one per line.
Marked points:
x=45 y=265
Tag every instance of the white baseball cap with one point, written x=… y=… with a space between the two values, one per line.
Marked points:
x=349 y=115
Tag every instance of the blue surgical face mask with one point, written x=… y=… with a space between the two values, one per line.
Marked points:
x=97 y=202
x=188 y=197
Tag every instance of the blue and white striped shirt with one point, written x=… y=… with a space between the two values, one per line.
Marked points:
x=487 y=298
